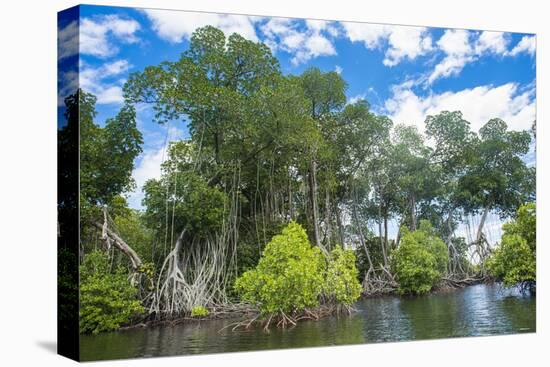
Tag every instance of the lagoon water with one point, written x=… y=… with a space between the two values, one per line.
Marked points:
x=484 y=309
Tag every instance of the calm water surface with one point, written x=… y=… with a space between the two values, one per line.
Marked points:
x=473 y=311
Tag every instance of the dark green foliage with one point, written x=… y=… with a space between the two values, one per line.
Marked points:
x=193 y=203
x=107 y=299
x=106 y=154
x=420 y=260
x=325 y=91
x=453 y=140
x=497 y=178
x=374 y=247
x=514 y=260
x=67 y=286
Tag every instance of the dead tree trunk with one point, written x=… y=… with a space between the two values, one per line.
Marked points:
x=112 y=238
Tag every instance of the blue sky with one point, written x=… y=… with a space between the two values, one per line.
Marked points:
x=404 y=72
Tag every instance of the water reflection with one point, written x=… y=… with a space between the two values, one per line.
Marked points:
x=477 y=310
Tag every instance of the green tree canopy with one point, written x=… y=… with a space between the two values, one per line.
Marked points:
x=106 y=153
x=181 y=198
x=497 y=177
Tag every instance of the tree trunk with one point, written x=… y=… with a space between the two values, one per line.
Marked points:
x=361 y=236
x=340 y=225
x=313 y=200
x=386 y=229
x=364 y=244
x=481 y=224
x=413 y=213
x=290 y=202
x=121 y=245
x=398 y=238
x=380 y=236
x=328 y=228
x=454 y=256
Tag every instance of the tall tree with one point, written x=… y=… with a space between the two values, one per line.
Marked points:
x=106 y=153
x=454 y=145
x=497 y=178
x=325 y=93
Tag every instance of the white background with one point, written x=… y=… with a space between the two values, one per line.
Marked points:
x=28 y=182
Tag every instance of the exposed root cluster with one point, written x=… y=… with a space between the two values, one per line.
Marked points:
x=288 y=320
x=378 y=282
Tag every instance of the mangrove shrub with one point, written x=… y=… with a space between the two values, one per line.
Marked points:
x=288 y=276
x=341 y=284
x=514 y=260
x=420 y=260
x=292 y=275
x=107 y=299
x=199 y=311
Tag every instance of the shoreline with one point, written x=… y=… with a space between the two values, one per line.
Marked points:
x=232 y=312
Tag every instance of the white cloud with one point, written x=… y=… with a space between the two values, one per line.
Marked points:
x=109 y=95
x=67 y=85
x=304 y=44
x=455 y=42
x=96 y=34
x=93 y=80
x=338 y=69
x=89 y=75
x=459 y=47
x=371 y=35
x=67 y=41
x=456 y=45
x=356 y=98
x=462 y=47
x=527 y=44
x=175 y=26
x=314 y=46
x=478 y=105
x=403 y=42
x=495 y=42
x=148 y=167
x=407 y=42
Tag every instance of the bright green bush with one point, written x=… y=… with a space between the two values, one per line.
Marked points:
x=199 y=311
x=420 y=260
x=514 y=260
x=107 y=299
x=288 y=277
x=341 y=278
x=292 y=275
